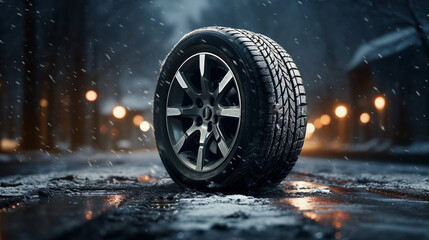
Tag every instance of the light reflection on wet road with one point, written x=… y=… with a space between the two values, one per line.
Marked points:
x=47 y=218
x=149 y=206
x=324 y=210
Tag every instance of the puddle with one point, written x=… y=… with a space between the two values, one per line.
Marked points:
x=317 y=203
x=346 y=210
x=304 y=208
x=305 y=187
x=319 y=209
x=54 y=216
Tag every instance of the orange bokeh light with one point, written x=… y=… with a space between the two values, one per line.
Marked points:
x=364 y=118
x=144 y=126
x=341 y=111
x=137 y=120
x=380 y=103
x=43 y=102
x=318 y=123
x=119 y=112
x=91 y=95
x=325 y=119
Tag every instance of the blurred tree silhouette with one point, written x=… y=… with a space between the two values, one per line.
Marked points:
x=69 y=47
x=31 y=111
x=75 y=46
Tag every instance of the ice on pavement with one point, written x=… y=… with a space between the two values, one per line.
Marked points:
x=232 y=211
x=369 y=174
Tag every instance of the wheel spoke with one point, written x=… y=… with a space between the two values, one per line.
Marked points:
x=225 y=80
x=202 y=64
x=204 y=139
x=221 y=144
x=222 y=147
x=181 y=111
x=203 y=134
x=200 y=157
x=217 y=133
x=185 y=85
x=181 y=80
x=173 y=112
x=233 y=111
x=178 y=146
x=180 y=143
x=202 y=72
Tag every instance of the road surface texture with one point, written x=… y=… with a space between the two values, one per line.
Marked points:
x=130 y=196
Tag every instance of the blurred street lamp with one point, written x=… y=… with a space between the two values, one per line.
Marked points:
x=119 y=112
x=43 y=102
x=137 y=120
x=91 y=95
x=145 y=126
x=380 y=103
x=341 y=111
x=325 y=119
x=364 y=118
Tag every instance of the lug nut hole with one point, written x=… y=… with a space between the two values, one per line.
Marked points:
x=199 y=103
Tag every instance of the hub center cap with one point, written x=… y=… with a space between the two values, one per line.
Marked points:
x=207 y=113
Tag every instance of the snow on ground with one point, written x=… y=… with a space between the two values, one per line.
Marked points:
x=77 y=170
x=129 y=196
x=42 y=171
x=231 y=211
x=363 y=174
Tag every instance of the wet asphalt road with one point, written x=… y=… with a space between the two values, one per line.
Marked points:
x=129 y=196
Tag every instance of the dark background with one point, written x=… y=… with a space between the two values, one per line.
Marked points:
x=349 y=52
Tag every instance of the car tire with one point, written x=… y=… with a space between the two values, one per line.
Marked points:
x=229 y=111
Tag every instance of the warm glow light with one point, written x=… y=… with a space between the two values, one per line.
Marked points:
x=145 y=126
x=119 y=112
x=103 y=129
x=137 y=120
x=115 y=200
x=318 y=208
x=364 y=118
x=341 y=111
x=43 y=102
x=310 y=130
x=380 y=103
x=91 y=95
x=325 y=119
x=8 y=145
x=318 y=123
x=146 y=178
x=88 y=215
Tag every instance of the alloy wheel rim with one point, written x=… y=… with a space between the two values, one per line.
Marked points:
x=203 y=111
